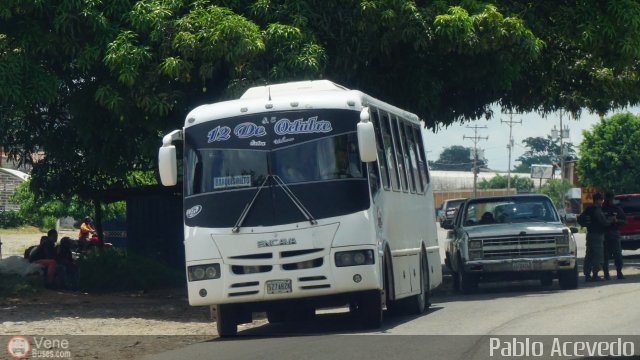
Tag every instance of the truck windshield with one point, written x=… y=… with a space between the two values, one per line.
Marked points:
x=509 y=210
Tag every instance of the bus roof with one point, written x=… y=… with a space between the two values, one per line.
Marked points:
x=322 y=94
x=292 y=88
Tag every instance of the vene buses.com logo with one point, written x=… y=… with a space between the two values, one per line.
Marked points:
x=18 y=347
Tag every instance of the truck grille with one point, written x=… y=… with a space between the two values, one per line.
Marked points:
x=510 y=247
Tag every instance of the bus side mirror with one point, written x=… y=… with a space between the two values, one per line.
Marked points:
x=167 y=165
x=366 y=138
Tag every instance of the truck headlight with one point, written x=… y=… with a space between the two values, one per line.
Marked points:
x=354 y=258
x=203 y=272
x=563 y=250
x=475 y=244
x=562 y=239
x=475 y=254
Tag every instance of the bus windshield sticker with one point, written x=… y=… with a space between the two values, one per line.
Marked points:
x=299 y=126
x=231 y=181
x=220 y=133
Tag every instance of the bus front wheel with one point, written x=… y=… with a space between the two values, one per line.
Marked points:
x=421 y=302
x=226 y=321
x=369 y=309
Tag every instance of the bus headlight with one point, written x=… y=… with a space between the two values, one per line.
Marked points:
x=203 y=272
x=354 y=258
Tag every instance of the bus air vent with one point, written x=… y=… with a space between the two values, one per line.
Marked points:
x=291 y=253
x=244 y=293
x=245 y=284
x=252 y=256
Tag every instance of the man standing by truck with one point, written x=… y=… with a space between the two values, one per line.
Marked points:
x=596 y=223
x=612 y=246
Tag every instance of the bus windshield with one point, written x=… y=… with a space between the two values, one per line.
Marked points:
x=329 y=158
x=314 y=152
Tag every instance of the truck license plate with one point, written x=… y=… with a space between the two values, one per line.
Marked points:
x=523 y=266
x=278 y=286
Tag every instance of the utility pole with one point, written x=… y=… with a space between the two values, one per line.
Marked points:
x=475 y=138
x=510 y=144
x=562 y=134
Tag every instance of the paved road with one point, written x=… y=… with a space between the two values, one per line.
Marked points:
x=458 y=326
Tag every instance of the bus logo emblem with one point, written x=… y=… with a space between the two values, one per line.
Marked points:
x=276 y=242
x=194 y=211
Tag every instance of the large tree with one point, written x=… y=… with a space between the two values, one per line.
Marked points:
x=95 y=83
x=543 y=151
x=456 y=158
x=609 y=154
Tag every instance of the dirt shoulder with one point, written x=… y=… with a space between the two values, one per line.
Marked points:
x=108 y=326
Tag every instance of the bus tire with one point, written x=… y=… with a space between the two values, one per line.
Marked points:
x=393 y=308
x=302 y=314
x=370 y=309
x=417 y=304
x=226 y=321
x=275 y=317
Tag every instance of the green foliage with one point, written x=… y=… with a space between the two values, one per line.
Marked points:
x=93 y=84
x=609 y=154
x=553 y=189
x=10 y=219
x=500 y=182
x=542 y=151
x=114 y=269
x=456 y=158
x=44 y=211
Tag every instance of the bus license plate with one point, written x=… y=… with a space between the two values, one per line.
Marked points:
x=523 y=266
x=278 y=286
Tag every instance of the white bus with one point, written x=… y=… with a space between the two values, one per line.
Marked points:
x=305 y=195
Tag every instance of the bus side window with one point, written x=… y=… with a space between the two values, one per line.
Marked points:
x=389 y=151
x=422 y=162
x=382 y=160
x=397 y=142
x=409 y=156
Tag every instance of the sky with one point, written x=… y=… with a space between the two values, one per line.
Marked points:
x=495 y=148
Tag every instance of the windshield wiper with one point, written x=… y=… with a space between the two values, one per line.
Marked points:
x=247 y=207
x=295 y=200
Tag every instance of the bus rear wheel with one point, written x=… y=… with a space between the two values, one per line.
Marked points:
x=226 y=321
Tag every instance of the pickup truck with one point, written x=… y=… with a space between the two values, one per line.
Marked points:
x=630 y=232
x=512 y=237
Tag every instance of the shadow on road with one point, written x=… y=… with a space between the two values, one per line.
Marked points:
x=329 y=322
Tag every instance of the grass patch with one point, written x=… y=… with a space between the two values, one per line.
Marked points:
x=116 y=269
x=27 y=229
x=15 y=285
